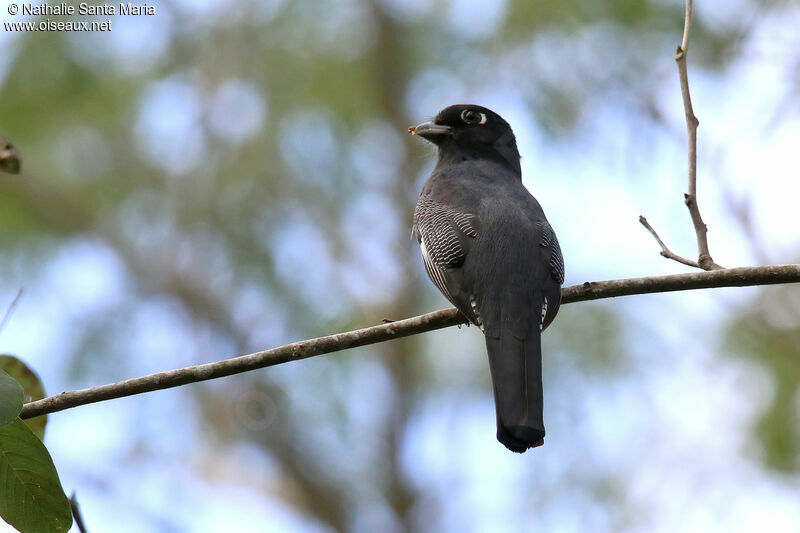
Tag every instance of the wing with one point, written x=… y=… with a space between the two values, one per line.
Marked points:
x=550 y=242
x=555 y=263
x=445 y=236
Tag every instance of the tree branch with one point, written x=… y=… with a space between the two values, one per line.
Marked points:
x=734 y=277
x=704 y=259
x=666 y=252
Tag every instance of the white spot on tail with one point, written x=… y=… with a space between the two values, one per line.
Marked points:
x=544 y=314
x=478 y=320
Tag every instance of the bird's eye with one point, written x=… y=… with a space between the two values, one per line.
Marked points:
x=470 y=116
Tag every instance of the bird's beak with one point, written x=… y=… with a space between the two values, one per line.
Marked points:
x=430 y=130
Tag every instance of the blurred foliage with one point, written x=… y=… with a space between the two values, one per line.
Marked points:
x=598 y=326
x=768 y=333
x=227 y=177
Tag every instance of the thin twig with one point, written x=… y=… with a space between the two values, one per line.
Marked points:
x=687 y=25
x=704 y=259
x=666 y=252
x=735 y=277
x=76 y=513
x=10 y=308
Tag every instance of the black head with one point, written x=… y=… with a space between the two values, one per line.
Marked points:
x=466 y=131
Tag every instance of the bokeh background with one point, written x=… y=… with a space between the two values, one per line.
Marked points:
x=228 y=176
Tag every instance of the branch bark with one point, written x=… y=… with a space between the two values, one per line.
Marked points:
x=734 y=277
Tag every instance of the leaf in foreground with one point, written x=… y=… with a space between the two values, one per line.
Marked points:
x=32 y=387
x=11 y=395
x=32 y=499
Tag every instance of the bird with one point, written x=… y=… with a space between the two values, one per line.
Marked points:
x=488 y=247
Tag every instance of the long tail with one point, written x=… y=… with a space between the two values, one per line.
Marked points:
x=516 y=367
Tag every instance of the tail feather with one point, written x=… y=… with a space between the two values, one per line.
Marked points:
x=516 y=367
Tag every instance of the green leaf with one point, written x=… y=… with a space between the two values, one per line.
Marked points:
x=11 y=395
x=32 y=387
x=32 y=500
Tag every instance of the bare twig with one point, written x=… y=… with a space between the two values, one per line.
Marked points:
x=76 y=513
x=687 y=26
x=735 y=277
x=704 y=259
x=666 y=252
x=10 y=309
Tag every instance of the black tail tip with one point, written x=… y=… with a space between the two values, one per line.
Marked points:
x=520 y=438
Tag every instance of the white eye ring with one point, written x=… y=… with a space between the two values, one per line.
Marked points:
x=467 y=112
